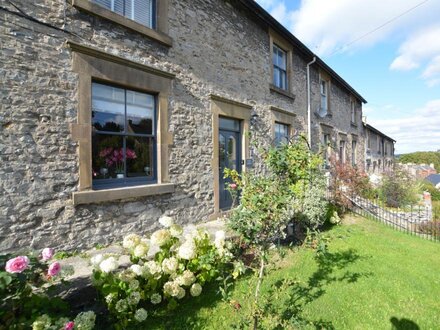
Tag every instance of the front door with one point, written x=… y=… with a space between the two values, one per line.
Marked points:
x=229 y=156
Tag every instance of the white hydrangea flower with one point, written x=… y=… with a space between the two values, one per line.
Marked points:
x=219 y=240
x=166 y=221
x=85 y=320
x=137 y=269
x=156 y=298
x=108 y=265
x=187 y=250
x=134 y=298
x=110 y=298
x=196 y=290
x=160 y=237
x=187 y=278
x=181 y=293
x=133 y=284
x=169 y=265
x=141 y=315
x=176 y=230
x=130 y=241
x=154 y=249
x=171 y=288
x=121 y=305
x=96 y=260
x=153 y=268
x=140 y=250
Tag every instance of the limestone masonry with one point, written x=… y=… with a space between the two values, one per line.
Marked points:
x=203 y=60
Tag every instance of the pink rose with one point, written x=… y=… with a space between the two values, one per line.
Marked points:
x=47 y=254
x=17 y=264
x=69 y=325
x=54 y=269
x=233 y=186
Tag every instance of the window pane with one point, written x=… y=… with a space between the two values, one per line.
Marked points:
x=107 y=156
x=104 y=3
x=229 y=124
x=283 y=80
x=118 y=6
x=281 y=133
x=108 y=108
x=140 y=156
x=276 y=77
x=140 y=113
x=275 y=56
x=282 y=60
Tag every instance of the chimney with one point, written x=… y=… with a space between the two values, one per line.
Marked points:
x=432 y=165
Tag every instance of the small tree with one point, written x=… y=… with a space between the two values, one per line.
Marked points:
x=398 y=189
x=269 y=202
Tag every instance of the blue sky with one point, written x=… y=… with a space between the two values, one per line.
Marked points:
x=395 y=68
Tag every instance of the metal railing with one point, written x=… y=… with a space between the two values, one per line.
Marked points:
x=415 y=220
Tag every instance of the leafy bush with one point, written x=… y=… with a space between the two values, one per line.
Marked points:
x=293 y=189
x=163 y=270
x=429 y=187
x=347 y=180
x=24 y=287
x=398 y=189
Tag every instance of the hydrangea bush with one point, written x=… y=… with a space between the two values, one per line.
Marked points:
x=164 y=269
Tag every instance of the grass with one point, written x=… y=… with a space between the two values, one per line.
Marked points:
x=371 y=278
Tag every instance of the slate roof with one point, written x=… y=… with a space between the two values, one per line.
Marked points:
x=433 y=178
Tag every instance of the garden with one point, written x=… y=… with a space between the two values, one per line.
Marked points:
x=286 y=261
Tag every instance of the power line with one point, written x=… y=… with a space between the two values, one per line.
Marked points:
x=378 y=28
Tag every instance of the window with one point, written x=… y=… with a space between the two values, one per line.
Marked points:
x=281 y=134
x=342 y=151
x=353 y=112
x=353 y=153
x=123 y=136
x=324 y=97
x=141 y=11
x=279 y=67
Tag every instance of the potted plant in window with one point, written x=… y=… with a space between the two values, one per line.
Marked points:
x=115 y=158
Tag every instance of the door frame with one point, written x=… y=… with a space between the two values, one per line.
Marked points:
x=222 y=107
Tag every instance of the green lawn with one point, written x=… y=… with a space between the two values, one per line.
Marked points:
x=371 y=278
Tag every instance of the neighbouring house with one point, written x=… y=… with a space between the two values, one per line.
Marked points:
x=379 y=155
x=434 y=179
x=419 y=171
x=117 y=112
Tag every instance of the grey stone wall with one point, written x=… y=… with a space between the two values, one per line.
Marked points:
x=217 y=49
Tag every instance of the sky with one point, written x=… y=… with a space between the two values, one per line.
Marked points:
x=388 y=50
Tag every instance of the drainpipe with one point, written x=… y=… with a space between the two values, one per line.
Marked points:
x=309 y=111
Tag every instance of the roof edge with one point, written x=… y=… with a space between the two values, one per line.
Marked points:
x=375 y=130
x=266 y=18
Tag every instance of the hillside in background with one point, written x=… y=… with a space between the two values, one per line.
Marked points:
x=422 y=157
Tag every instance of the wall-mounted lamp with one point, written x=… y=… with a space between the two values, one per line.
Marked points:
x=254 y=119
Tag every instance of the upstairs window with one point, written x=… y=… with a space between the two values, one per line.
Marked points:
x=353 y=153
x=353 y=112
x=324 y=97
x=281 y=134
x=141 y=11
x=279 y=67
x=123 y=136
x=326 y=154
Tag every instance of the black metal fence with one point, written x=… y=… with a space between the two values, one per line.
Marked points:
x=417 y=220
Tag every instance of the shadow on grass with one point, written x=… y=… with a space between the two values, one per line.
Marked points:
x=403 y=324
x=297 y=295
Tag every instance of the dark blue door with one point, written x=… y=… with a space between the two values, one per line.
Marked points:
x=229 y=156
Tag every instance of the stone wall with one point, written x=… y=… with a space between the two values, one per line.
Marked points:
x=216 y=49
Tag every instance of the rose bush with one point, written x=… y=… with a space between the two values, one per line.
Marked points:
x=24 y=302
x=171 y=265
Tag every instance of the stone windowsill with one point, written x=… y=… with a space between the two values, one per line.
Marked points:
x=97 y=10
x=105 y=195
x=283 y=92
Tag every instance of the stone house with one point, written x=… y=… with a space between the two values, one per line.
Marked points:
x=115 y=112
x=379 y=155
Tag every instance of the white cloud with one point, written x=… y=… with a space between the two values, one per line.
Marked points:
x=329 y=27
x=416 y=132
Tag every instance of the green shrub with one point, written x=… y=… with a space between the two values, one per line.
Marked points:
x=398 y=189
x=429 y=187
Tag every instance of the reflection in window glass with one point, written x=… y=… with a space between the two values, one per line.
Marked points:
x=123 y=136
x=281 y=133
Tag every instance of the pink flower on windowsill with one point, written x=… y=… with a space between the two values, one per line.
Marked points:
x=54 y=269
